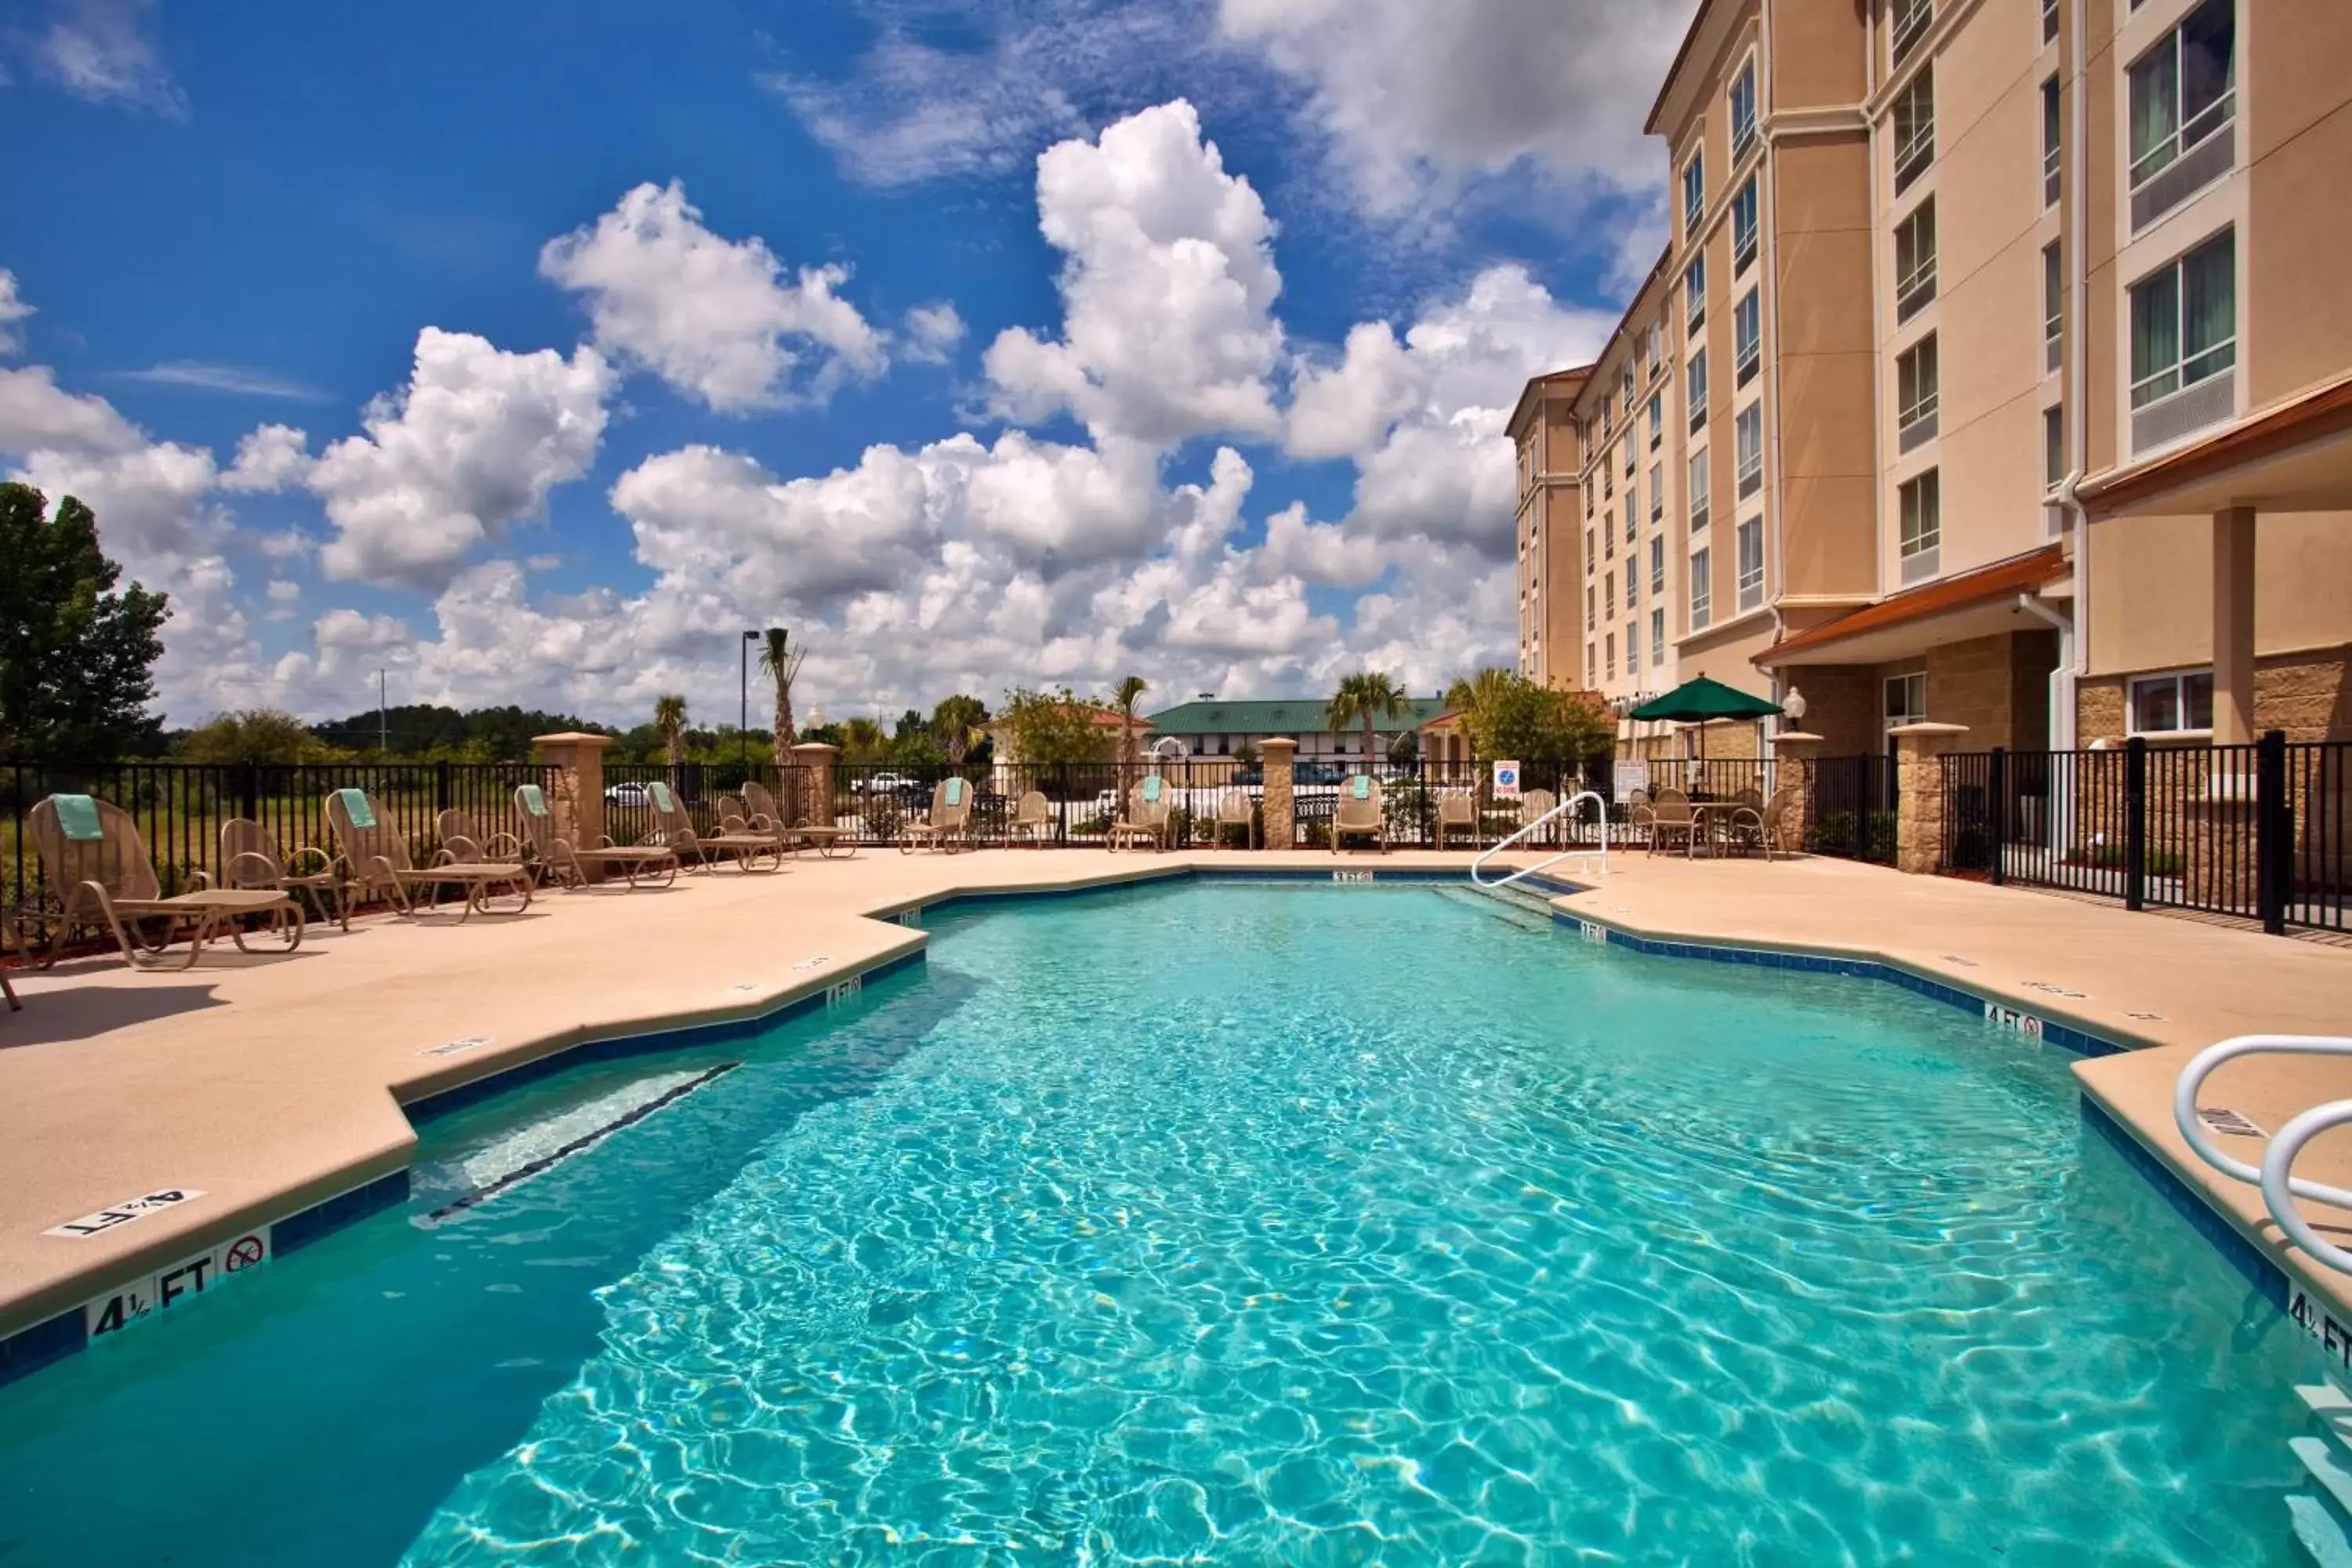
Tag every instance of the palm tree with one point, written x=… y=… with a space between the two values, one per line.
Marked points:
x=1478 y=697
x=1124 y=696
x=1365 y=697
x=669 y=718
x=955 y=724
x=863 y=741
x=783 y=663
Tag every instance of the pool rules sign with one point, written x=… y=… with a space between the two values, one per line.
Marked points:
x=1506 y=781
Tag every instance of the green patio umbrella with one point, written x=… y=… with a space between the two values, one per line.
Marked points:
x=1697 y=701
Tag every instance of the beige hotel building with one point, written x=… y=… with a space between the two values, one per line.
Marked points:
x=1999 y=371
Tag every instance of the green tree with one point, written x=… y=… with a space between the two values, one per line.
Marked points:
x=1124 y=696
x=669 y=718
x=252 y=735
x=1366 y=697
x=782 y=661
x=1487 y=690
x=955 y=724
x=1052 y=728
x=76 y=657
x=862 y=742
x=1506 y=715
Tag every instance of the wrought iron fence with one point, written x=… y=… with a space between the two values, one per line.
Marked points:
x=2258 y=831
x=180 y=808
x=1849 y=806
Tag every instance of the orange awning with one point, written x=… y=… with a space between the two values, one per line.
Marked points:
x=1991 y=584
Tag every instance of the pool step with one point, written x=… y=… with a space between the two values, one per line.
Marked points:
x=2333 y=1406
x=2321 y=1534
x=2326 y=1468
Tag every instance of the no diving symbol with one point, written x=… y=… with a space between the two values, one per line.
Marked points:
x=243 y=1252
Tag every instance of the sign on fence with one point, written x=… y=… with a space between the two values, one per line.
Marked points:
x=1506 y=781
x=1629 y=777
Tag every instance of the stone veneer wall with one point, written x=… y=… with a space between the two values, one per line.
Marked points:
x=2308 y=695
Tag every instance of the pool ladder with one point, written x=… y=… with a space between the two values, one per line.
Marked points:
x=2322 y=1523
x=1563 y=809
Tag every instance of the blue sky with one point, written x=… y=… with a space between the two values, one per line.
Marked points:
x=529 y=353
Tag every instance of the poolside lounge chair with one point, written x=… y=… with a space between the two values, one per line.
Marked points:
x=463 y=840
x=99 y=870
x=950 y=821
x=1033 y=820
x=569 y=864
x=377 y=855
x=673 y=831
x=1672 y=821
x=1237 y=809
x=1146 y=820
x=1534 y=806
x=1457 y=812
x=1357 y=814
x=826 y=840
x=251 y=857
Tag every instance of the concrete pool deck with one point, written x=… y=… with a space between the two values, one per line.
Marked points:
x=272 y=1082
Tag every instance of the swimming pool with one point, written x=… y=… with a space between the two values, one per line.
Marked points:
x=1218 y=1223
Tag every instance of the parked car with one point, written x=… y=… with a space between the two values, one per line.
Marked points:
x=627 y=793
x=888 y=783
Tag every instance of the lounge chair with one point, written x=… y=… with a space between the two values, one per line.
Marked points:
x=673 y=831
x=1146 y=820
x=99 y=871
x=1358 y=814
x=251 y=859
x=1033 y=820
x=1237 y=809
x=377 y=856
x=1534 y=806
x=1671 y=820
x=463 y=840
x=570 y=864
x=1457 y=812
x=795 y=837
x=950 y=821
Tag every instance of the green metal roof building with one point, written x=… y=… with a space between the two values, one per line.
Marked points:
x=1212 y=727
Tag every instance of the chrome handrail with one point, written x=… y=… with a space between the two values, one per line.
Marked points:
x=1503 y=844
x=2279 y=1185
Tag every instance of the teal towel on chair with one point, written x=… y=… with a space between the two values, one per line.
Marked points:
x=955 y=792
x=356 y=808
x=1363 y=786
x=77 y=816
x=1151 y=790
x=662 y=801
x=534 y=800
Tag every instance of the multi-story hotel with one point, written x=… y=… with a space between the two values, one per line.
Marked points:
x=1999 y=371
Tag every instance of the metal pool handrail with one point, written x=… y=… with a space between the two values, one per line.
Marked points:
x=1566 y=805
x=2279 y=1185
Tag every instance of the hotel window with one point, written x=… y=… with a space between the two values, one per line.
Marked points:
x=2184 y=101
x=1591 y=666
x=2049 y=21
x=1747 y=337
x=2054 y=445
x=1749 y=447
x=1657 y=566
x=1914 y=261
x=1695 y=392
x=1694 y=193
x=1701 y=581
x=2053 y=308
x=1590 y=559
x=1915 y=128
x=1610 y=644
x=1743 y=111
x=1625 y=385
x=1591 y=619
x=1609 y=597
x=1587 y=488
x=1626 y=447
x=2171 y=704
x=1907 y=700
x=1751 y=563
x=1655 y=347
x=1911 y=20
x=1743 y=227
x=1694 y=293
x=1608 y=538
x=2052 y=150
x=1915 y=390
x=1697 y=489
x=1657 y=492
x=2184 y=322
x=1657 y=419
x=1657 y=637
x=1923 y=525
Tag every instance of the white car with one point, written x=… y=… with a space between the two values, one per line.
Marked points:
x=627 y=793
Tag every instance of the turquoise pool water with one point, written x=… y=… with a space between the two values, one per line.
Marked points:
x=1248 y=1225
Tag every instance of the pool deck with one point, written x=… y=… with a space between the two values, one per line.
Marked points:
x=274 y=1081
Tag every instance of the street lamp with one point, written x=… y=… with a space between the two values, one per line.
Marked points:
x=744 y=709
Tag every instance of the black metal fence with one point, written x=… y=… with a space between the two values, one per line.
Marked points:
x=1849 y=806
x=180 y=808
x=2260 y=832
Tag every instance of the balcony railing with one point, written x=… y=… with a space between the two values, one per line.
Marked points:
x=1912 y=158
x=1751 y=358
x=1743 y=250
x=1751 y=475
x=1919 y=561
x=1915 y=289
x=1916 y=426
x=2202 y=151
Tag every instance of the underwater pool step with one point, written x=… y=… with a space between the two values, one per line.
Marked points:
x=2322 y=1462
x=2319 y=1530
x=2333 y=1406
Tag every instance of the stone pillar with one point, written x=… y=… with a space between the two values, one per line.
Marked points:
x=2233 y=627
x=576 y=796
x=1919 y=793
x=1794 y=750
x=1278 y=805
x=813 y=807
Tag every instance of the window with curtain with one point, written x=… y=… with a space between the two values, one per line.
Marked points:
x=1743 y=227
x=1697 y=489
x=1743 y=111
x=2054 y=445
x=1694 y=390
x=1591 y=619
x=1657 y=419
x=1914 y=261
x=1915 y=128
x=1632 y=508
x=1749 y=447
x=2054 y=307
x=1657 y=492
x=2184 y=90
x=1910 y=19
x=2052 y=148
x=2185 y=321
x=1658 y=565
x=1751 y=563
x=1657 y=637
x=1591 y=562
x=1608 y=595
x=1923 y=515
x=1916 y=391
x=1747 y=337
x=1701 y=589
x=1608 y=645
x=1694 y=293
x=1626 y=448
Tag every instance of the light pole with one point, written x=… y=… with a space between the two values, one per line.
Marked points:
x=743 y=708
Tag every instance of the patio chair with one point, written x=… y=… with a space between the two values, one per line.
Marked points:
x=948 y=822
x=1146 y=820
x=1457 y=812
x=569 y=864
x=1534 y=806
x=251 y=857
x=1640 y=814
x=99 y=872
x=377 y=860
x=1033 y=820
x=674 y=831
x=826 y=840
x=1766 y=828
x=1237 y=809
x=1671 y=820
x=1357 y=814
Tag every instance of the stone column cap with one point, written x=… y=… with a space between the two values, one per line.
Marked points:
x=1926 y=727
x=1795 y=738
x=571 y=738
x=817 y=746
x=1277 y=741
